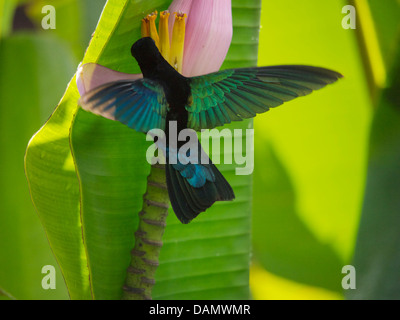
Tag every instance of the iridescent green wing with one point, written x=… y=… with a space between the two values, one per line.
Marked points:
x=236 y=94
x=139 y=104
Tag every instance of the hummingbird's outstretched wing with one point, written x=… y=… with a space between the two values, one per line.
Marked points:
x=139 y=104
x=236 y=94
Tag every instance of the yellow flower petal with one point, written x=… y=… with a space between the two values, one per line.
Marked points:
x=178 y=41
x=145 y=28
x=164 y=35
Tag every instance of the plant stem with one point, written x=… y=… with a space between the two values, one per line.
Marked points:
x=148 y=238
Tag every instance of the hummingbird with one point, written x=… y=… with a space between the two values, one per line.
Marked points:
x=163 y=96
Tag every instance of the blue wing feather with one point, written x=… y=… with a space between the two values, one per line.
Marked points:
x=139 y=104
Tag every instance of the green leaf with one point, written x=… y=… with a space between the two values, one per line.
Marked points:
x=112 y=167
x=377 y=258
x=105 y=201
x=54 y=186
x=55 y=193
x=111 y=161
x=115 y=169
x=27 y=62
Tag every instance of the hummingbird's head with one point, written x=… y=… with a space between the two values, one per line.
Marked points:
x=145 y=50
x=151 y=62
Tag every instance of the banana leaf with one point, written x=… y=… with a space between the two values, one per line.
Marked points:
x=88 y=196
x=376 y=259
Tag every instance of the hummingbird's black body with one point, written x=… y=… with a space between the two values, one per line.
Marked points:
x=187 y=200
x=203 y=102
x=155 y=67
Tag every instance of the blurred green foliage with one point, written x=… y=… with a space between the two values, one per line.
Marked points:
x=315 y=155
x=25 y=105
x=377 y=255
x=311 y=153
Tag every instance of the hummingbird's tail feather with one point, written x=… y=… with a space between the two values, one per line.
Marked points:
x=188 y=200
